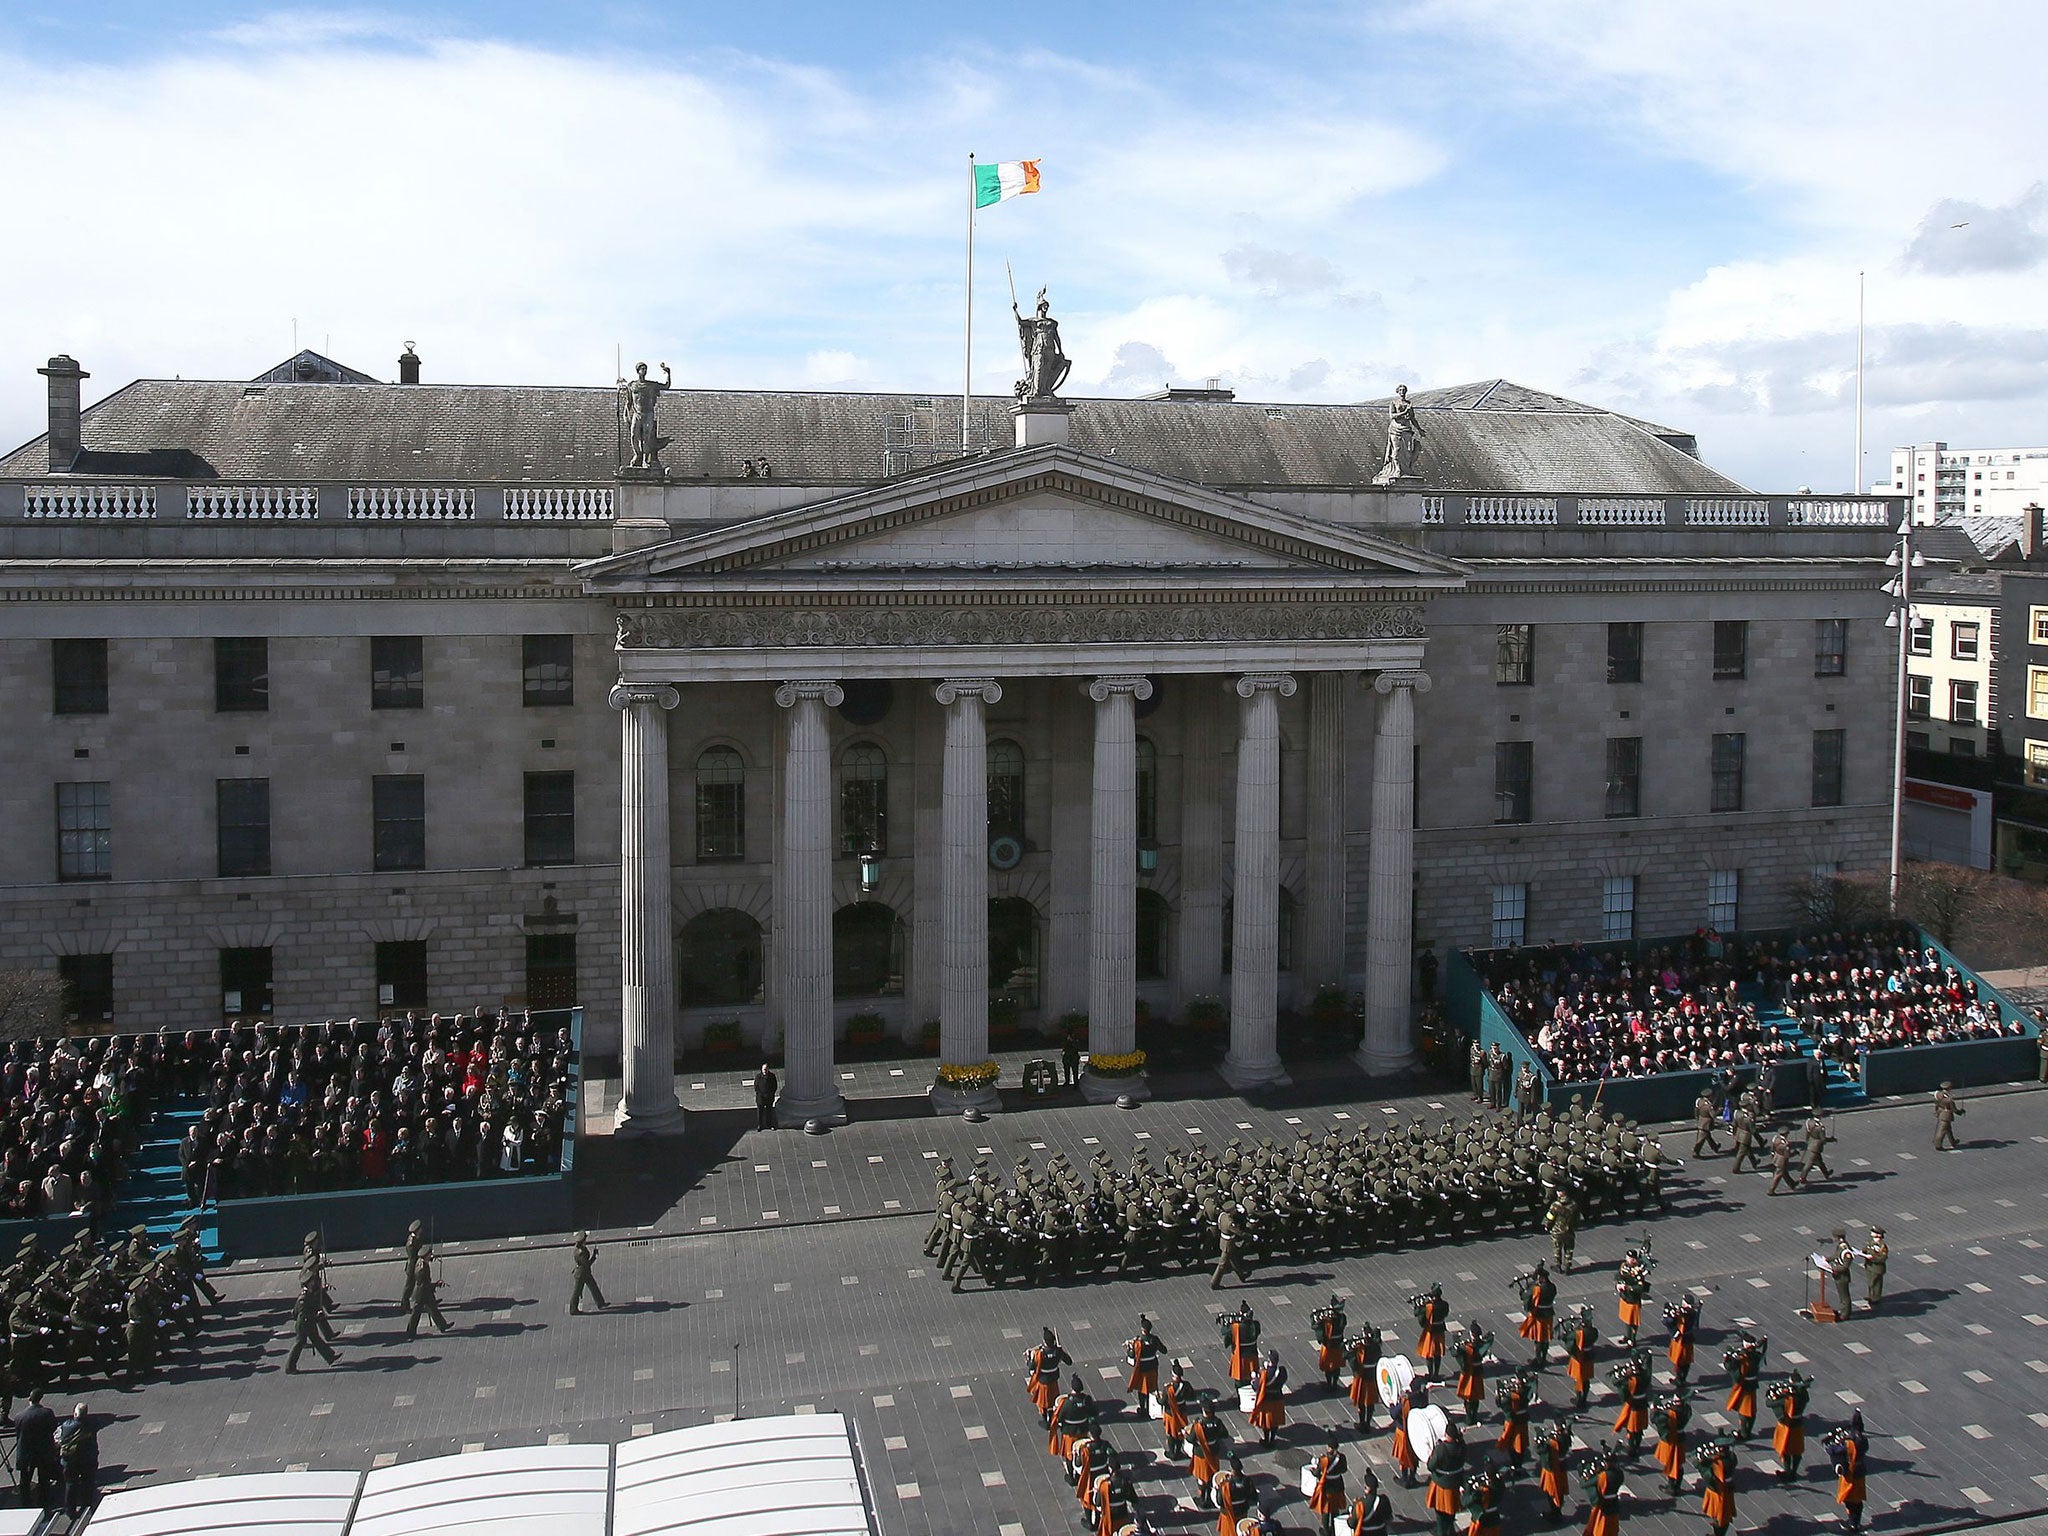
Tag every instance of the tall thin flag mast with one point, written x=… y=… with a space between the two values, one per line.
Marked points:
x=1856 y=480
x=967 y=373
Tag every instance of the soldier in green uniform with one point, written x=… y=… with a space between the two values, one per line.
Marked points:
x=1563 y=1224
x=1703 y=1124
x=1817 y=1139
x=585 y=1259
x=1875 y=1258
x=415 y=1240
x=1781 y=1162
x=426 y=1297
x=1945 y=1111
x=306 y=1328
x=1229 y=1258
x=1744 y=1128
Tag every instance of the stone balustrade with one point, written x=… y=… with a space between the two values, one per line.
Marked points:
x=1726 y=512
x=411 y=504
x=1511 y=511
x=252 y=503
x=558 y=503
x=89 y=501
x=1621 y=511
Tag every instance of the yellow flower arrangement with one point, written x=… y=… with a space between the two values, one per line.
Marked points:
x=1127 y=1064
x=980 y=1074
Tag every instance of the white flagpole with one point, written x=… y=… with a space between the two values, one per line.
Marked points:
x=1856 y=483
x=967 y=373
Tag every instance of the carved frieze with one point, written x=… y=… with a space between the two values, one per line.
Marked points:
x=740 y=629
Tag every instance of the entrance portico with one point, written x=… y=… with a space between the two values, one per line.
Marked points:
x=1045 y=563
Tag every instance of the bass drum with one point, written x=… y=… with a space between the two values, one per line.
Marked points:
x=1395 y=1374
x=1427 y=1426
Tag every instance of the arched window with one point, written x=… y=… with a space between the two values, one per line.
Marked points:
x=867 y=951
x=1152 y=917
x=1006 y=790
x=718 y=960
x=1148 y=791
x=721 y=806
x=864 y=800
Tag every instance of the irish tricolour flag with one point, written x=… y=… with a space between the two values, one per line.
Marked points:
x=1009 y=178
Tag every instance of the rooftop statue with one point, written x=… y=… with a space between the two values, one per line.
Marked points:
x=638 y=428
x=1404 y=440
x=1045 y=365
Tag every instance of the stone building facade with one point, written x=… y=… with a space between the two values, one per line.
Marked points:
x=1173 y=704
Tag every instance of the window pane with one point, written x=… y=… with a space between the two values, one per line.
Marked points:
x=1513 y=771
x=1510 y=915
x=1005 y=789
x=1920 y=639
x=245 y=983
x=1727 y=767
x=88 y=987
x=397 y=672
x=78 y=677
x=1731 y=648
x=1514 y=655
x=1963 y=642
x=550 y=818
x=551 y=970
x=1625 y=653
x=242 y=813
x=1827 y=767
x=1723 y=899
x=241 y=675
x=399 y=821
x=1830 y=647
x=1920 y=696
x=1624 y=776
x=864 y=800
x=85 y=832
x=721 y=806
x=1962 y=702
x=1618 y=907
x=547 y=669
x=1148 y=791
x=402 y=974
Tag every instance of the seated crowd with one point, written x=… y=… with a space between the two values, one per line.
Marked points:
x=1593 y=1013
x=294 y=1109
x=75 y=1113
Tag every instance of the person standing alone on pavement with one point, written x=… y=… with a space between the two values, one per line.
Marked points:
x=764 y=1099
x=1945 y=1111
x=585 y=1259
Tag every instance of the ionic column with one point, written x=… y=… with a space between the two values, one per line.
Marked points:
x=1255 y=889
x=963 y=888
x=1322 y=907
x=1113 y=883
x=1390 y=923
x=647 y=1051
x=803 y=944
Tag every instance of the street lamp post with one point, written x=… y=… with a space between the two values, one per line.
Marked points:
x=1901 y=589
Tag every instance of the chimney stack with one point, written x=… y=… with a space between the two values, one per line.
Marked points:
x=408 y=366
x=64 y=375
x=2030 y=515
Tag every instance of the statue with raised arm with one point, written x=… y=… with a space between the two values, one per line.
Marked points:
x=638 y=427
x=1045 y=365
x=1404 y=440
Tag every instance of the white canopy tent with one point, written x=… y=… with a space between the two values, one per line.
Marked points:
x=259 y=1503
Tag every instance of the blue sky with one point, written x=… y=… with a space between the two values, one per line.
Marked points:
x=1662 y=209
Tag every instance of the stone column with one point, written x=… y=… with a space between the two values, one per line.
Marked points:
x=647 y=965
x=803 y=946
x=963 y=889
x=1113 y=884
x=1390 y=924
x=1255 y=891
x=1322 y=907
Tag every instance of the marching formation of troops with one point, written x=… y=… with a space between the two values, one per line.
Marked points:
x=1429 y=1449
x=1340 y=1193
x=88 y=1311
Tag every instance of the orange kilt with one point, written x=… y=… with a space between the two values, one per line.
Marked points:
x=1404 y=1453
x=1144 y=1378
x=1202 y=1461
x=1043 y=1395
x=1268 y=1412
x=1603 y=1522
x=1554 y=1484
x=1061 y=1444
x=1514 y=1437
x=1718 y=1504
x=1849 y=1490
x=1471 y=1385
x=1580 y=1369
x=1328 y=1496
x=1631 y=1314
x=1789 y=1441
x=1633 y=1419
x=1671 y=1457
x=1244 y=1365
x=1365 y=1389
x=1742 y=1400
x=1084 y=1489
x=1431 y=1345
x=1329 y=1358
x=1441 y=1499
x=1535 y=1329
x=1681 y=1355
x=1173 y=1422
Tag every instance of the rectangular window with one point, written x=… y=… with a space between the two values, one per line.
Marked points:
x=1514 y=655
x=1731 y=649
x=402 y=974
x=1961 y=746
x=398 y=673
x=1724 y=899
x=1830 y=647
x=550 y=818
x=1828 y=748
x=1920 y=638
x=1625 y=653
x=241 y=676
x=242 y=826
x=547 y=669
x=85 y=832
x=2038 y=619
x=1962 y=642
x=78 y=677
x=721 y=807
x=1729 y=750
x=551 y=970
x=1514 y=770
x=1920 y=696
x=1618 y=908
x=2037 y=764
x=245 y=983
x=1624 y=776
x=1917 y=741
x=398 y=821
x=1510 y=915
x=1962 y=701
x=88 y=987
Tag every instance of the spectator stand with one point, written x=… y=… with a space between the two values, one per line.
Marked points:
x=1475 y=1012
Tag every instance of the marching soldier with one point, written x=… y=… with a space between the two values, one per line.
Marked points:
x=1516 y=1396
x=1781 y=1162
x=1875 y=1257
x=1580 y=1340
x=1744 y=1128
x=1447 y=1464
x=1472 y=1350
x=1669 y=1415
x=1328 y=1322
x=1176 y=1402
x=1683 y=1316
x=1326 y=1495
x=1363 y=1352
x=1716 y=1461
x=1042 y=1381
x=1269 y=1398
x=307 y=1329
x=1074 y=1419
x=1945 y=1111
x=1228 y=1259
x=1553 y=1480
x=415 y=1240
x=1406 y=1462
x=1208 y=1444
x=1817 y=1139
x=1631 y=1290
x=1372 y=1513
x=426 y=1297
x=1482 y=1502
x=1850 y=1447
x=585 y=1260
x=1142 y=1355
x=1241 y=1338
x=942 y=1203
x=1539 y=1312
x=1788 y=1401
x=1744 y=1361
x=1703 y=1124
x=1602 y=1482
x=1432 y=1317
x=1092 y=1458
x=1234 y=1492
x=1562 y=1223
x=1633 y=1380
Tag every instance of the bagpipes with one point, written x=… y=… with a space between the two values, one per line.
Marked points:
x=1672 y=1409
x=1482 y=1347
x=1685 y=1309
x=1745 y=1355
x=1635 y=1367
x=1596 y=1460
x=1422 y=1303
x=1517 y=1393
x=1788 y=1397
x=1708 y=1454
x=1525 y=1287
x=1251 y=1327
x=1327 y=1314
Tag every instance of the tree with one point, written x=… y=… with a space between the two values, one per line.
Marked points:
x=1839 y=901
x=31 y=1003
x=2000 y=922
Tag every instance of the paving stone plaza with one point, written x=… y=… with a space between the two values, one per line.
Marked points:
x=773 y=1272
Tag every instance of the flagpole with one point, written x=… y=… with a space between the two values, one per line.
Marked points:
x=967 y=371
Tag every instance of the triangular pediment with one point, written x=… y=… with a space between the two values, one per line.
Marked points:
x=1049 y=512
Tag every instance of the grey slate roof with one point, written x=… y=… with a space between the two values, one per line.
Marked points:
x=1494 y=436
x=1990 y=537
